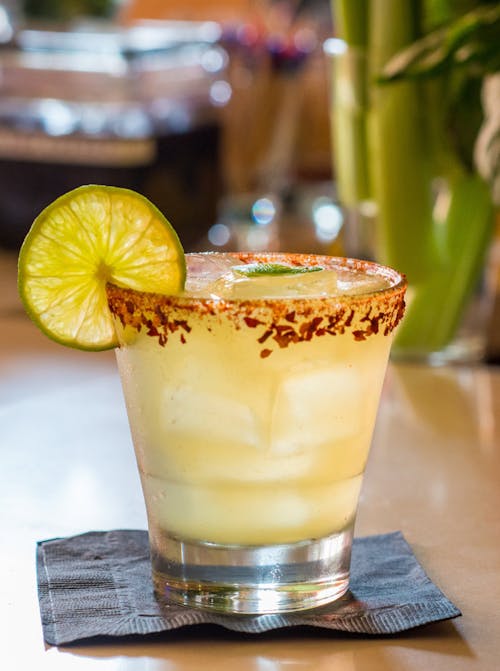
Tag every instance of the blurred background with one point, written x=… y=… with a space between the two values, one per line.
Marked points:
x=208 y=108
x=219 y=111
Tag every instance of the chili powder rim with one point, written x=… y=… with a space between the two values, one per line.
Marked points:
x=302 y=304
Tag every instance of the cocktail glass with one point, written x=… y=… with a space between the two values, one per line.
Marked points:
x=252 y=402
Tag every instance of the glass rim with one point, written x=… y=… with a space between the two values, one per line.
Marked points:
x=398 y=282
x=293 y=318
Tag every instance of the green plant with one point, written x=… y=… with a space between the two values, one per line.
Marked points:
x=427 y=66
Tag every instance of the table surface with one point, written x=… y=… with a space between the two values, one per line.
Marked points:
x=67 y=466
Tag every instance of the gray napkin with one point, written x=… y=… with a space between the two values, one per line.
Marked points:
x=99 y=584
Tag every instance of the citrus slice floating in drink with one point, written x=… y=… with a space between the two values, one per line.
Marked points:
x=84 y=239
x=260 y=269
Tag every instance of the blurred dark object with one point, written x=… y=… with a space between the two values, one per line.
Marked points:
x=493 y=278
x=135 y=107
x=67 y=9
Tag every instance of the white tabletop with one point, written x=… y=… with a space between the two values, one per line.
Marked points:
x=67 y=466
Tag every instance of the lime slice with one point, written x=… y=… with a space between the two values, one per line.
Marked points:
x=84 y=239
x=258 y=269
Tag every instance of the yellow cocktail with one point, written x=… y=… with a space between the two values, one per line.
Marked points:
x=252 y=398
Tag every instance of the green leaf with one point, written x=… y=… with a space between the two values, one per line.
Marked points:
x=471 y=38
x=258 y=269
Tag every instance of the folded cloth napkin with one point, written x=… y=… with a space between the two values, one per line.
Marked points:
x=99 y=584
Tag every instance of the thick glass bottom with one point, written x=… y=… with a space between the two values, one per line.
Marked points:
x=251 y=579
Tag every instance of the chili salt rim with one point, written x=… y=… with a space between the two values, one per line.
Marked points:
x=283 y=318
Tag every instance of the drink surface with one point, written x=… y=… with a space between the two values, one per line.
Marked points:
x=252 y=400
x=220 y=275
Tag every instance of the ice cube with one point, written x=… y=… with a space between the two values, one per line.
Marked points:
x=205 y=269
x=323 y=283
x=354 y=283
x=235 y=514
x=198 y=414
x=318 y=283
x=315 y=406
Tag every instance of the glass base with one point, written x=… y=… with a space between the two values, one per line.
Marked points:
x=252 y=579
